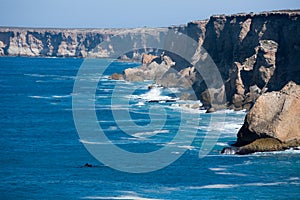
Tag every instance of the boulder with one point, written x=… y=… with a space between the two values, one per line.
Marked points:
x=148 y=58
x=151 y=71
x=274 y=115
x=116 y=76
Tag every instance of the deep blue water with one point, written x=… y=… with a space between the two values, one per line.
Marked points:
x=42 y=154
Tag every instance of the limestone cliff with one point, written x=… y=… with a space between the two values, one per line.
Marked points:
x=254 y=53
x=69 y=42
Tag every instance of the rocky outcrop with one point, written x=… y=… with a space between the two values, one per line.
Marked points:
x=148 y=58
x=274 y=115
x=152 y=71
x=272 y=124
x=259 y=145
x=254 y=53
x=116 y=76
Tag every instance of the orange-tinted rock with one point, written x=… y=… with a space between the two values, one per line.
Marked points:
x=148 y=58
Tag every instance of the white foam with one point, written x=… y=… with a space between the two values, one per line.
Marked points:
x=38 y=75
x=264 y=184
x=90 y=142
x=230 y=174
x=149 y=134
x=61 y=96
x=222 y=144
x=232 y=126
x=288 y=151
x=186 y=147
x=141 y=103
x=294 y=178
x=39 y=97
x=217 y=169
x=126 y=197
x=155 y=94
x=187 y=108
x=213 y=186
x=222 y=186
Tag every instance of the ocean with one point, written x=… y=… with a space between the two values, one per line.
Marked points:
x=44 y=151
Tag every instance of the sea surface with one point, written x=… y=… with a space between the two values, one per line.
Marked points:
x=43 y=155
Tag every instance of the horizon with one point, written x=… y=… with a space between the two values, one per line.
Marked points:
x=116 y=14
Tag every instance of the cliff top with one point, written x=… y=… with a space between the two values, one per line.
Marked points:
x=264 y=13
x=79 y=30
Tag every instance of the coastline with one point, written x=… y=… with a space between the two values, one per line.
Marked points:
x=247 y=49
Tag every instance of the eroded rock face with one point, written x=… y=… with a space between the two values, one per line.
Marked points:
x=254 y=50
x=254 y=53
x=274 y=115
x=250 y=51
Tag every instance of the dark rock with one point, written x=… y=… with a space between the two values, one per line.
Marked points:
x=210 y=110
x=87 y=165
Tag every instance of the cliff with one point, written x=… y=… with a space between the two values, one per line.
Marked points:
x=254 y=53
x=69 y=42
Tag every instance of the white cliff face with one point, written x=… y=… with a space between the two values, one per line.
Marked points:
x=70 y=42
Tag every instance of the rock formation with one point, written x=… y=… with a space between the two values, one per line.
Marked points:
x=254 y=53
x=116 y=76
x=274 y=115
x=272 y=124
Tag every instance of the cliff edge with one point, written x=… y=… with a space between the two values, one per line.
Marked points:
x=254 y=53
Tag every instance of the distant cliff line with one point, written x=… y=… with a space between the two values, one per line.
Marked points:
x=56 y=42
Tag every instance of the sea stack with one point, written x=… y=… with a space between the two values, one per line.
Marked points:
x=273 y=123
